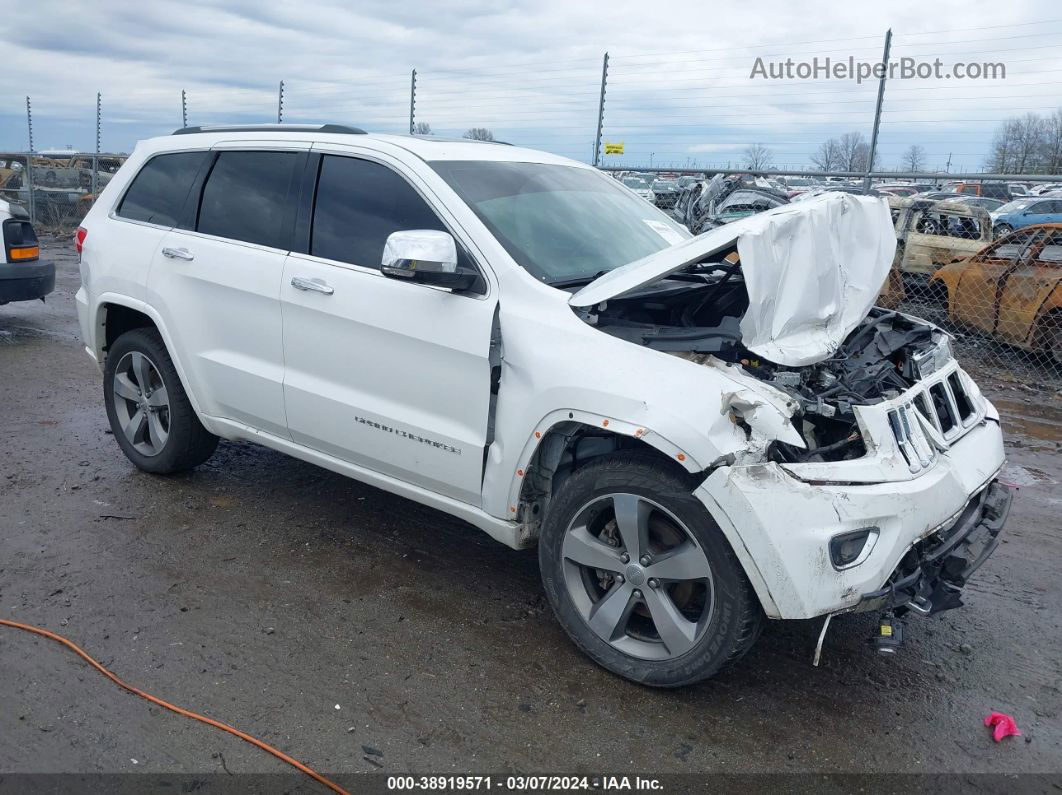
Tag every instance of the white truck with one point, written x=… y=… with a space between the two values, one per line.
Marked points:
x=23 y=275
x=699 y=433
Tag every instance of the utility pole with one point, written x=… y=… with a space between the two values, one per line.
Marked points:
x=29 y=122
x=184 y=109
x=947 y=167
x=412 y=98
x=877 y=110
x=601 y=111
x=29 y=162
x=280 y=103
x=96 y=157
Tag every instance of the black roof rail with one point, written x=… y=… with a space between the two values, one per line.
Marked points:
x=220 y=128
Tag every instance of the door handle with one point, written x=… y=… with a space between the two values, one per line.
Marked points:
x=178 y=253
x=312 y=285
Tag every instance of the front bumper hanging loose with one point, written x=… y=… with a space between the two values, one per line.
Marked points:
x=930 y=577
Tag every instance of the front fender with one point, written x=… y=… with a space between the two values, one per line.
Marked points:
x=610 y=424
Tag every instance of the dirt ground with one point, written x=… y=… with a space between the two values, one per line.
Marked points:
x=361 y=632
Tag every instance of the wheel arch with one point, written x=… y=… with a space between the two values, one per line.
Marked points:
x=567 y=440
x=1049 y=315
x=116 y=314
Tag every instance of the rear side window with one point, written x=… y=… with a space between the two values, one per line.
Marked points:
x=1010 y=248
x=157 y=193
x=246 y=197
x=359 y=203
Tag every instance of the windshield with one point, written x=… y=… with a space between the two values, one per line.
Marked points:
x=561 y=223
x=634 y=182
x=663 y=184
x=1017 y=204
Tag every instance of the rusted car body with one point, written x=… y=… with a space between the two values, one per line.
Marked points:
x=1012 y=289
x=931 y=234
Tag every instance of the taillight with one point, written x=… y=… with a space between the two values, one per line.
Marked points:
x=20 y=241
x=79 y=238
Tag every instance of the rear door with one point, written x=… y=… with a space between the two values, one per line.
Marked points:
x=217 y=282
x=153 y=204
x=1041 y=212
x=383 y=373
x=977 y=299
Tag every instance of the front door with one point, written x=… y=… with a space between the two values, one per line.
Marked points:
x=1027 y=288
x=386 y=374
x=977 y=299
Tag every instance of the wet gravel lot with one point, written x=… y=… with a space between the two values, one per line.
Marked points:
x=361 y=632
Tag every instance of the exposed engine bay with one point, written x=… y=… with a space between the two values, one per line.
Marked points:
x=696 y=314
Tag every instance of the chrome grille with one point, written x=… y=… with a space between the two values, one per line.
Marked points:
x=937 y=413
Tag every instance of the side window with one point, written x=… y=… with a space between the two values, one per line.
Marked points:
x=1051 y=253
x=246 y=197
x=359 y=203
x=1010 y=248
x=1040 y=208
x=158 y=191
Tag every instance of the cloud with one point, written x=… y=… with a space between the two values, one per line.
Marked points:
x=678 y=88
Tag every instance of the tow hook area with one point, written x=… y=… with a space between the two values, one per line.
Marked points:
x=888 y=637
x=930 y=577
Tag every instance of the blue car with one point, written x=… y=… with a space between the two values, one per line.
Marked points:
x=1025 y=212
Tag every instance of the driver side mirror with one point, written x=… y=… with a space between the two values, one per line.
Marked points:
x=425 y=256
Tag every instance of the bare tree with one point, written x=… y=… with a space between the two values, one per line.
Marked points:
x=422 y=128
x=1052 y=154
x=914 y=159
x=757 y=157
x=827 y=155
x=1021 y=145
x=1001 y=158
x=853 y=152
x=1030 y=143
x=479 y=134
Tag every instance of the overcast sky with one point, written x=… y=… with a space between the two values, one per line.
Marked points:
x=679 y=89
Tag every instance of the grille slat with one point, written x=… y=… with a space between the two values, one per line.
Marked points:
x=944 y=408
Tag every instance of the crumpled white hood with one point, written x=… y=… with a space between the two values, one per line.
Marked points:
x=813 y=271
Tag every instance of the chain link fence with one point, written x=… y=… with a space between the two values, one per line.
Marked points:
x=953 y=106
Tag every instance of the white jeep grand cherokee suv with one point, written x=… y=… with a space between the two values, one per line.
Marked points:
x=698 y=432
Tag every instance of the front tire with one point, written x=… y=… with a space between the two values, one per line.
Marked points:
x=640 y=575
x=1001 y=230
x=150 y=414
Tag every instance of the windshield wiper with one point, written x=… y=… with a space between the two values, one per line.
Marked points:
x=575 y=281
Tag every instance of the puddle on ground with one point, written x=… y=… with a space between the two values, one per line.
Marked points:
x=1025 y=476
x=1041 y=421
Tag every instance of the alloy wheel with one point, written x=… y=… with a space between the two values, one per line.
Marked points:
x=141 y=403
x=637 y=577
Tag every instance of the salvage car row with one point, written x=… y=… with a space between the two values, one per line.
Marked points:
x=1010 y=289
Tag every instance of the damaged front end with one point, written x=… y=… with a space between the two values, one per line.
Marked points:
x=697 y=315
x=860 y=428
x=931 y=575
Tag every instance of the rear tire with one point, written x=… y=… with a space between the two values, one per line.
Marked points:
x=150 y=414
x=672 y=621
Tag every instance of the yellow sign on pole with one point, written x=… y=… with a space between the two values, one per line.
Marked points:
x=614 y=149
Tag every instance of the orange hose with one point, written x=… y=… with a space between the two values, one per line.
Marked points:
x=187 y=713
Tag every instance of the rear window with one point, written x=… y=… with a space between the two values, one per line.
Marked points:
x=158 y=192
x=246 y=198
